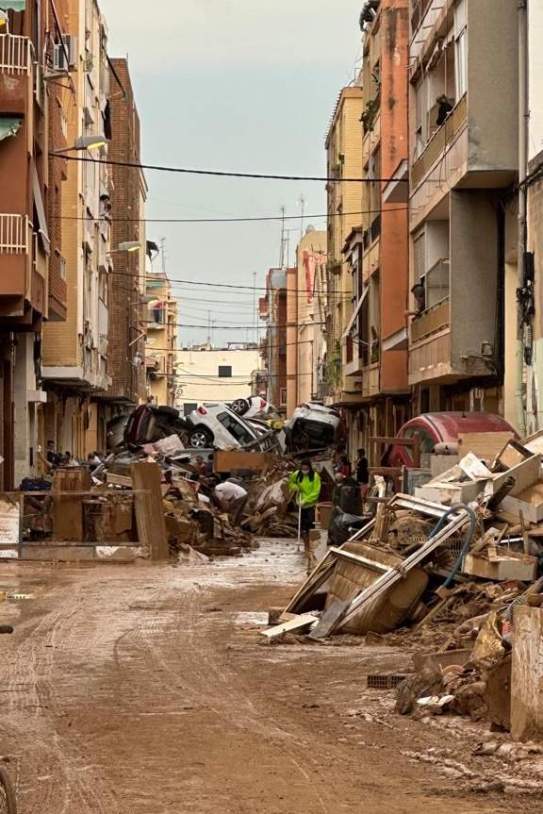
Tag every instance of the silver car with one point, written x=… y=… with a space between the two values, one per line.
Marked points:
x=219 y=426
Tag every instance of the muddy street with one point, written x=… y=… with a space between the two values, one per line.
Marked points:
x=147 y=689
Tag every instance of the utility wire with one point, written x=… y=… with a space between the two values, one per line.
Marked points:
x=223 y=173
x=235 y=286
x=226 y=327
x=256 y=219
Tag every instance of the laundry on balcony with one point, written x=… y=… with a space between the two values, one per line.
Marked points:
x=9 y=126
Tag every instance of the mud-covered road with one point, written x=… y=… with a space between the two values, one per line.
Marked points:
x=146 y=690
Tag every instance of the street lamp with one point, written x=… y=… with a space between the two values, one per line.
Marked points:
x=129 y=246
x=84 y=143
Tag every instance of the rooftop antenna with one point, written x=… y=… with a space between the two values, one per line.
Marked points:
x=301 y=201
x=163 y=254
x=282 y=251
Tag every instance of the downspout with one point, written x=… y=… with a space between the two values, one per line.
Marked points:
x=523 y=114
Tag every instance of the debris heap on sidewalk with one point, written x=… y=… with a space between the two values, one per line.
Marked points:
x=104 y=507
x=446 y=572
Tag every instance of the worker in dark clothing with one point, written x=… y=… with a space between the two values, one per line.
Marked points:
x=362 y=473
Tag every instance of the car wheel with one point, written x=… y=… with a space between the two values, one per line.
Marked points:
x=240 y=406
x=200 y=438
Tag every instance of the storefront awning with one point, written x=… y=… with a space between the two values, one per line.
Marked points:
x=12 y=5
x=9 y=126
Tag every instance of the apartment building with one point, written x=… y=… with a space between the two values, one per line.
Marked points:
x=32 y=284
x=305 y=337
x=209 y=375
x=376 y=250
x=463 y=162
x=344 y=161
x=273 y=347
x=127 y=328
x=161 y=318
x=75 y=352
x=525 y=403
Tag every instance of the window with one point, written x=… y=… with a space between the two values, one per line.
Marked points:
x=189 y=407
x=235 y=428
x=431 y=263
x=225 y=371
x=461 y=67
x=283 y=396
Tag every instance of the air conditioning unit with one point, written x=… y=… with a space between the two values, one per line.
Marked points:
x=65 y=53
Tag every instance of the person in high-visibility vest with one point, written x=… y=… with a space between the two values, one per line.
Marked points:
x=305 y=484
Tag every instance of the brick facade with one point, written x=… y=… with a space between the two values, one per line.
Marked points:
x=125 y=283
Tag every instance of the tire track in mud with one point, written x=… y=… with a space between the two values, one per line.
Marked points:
x=202 y=665
x=52 y=775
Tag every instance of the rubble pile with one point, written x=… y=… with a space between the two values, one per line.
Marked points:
x=99 y=506
x=446 y=572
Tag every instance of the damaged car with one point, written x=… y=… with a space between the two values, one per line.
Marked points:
x=313 y=426
x=149 y=423
x=219 y=426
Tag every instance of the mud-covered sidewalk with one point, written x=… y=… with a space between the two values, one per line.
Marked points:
x=146 y=690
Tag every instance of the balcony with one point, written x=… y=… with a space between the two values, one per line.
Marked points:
x=431 y=321
x=17 y=278
x=440 y=141
x=15 y=73
x=370 y=380
x=430 y=359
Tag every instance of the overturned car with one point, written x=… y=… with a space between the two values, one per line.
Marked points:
x=207 y=427
x=313 y=426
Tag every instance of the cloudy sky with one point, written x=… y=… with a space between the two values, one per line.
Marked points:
x=244 y=85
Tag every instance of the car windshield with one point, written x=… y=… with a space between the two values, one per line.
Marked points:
x=235 y=428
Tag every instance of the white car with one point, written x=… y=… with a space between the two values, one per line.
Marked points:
x=251 y=406
x=313 y=426
x=219 y=426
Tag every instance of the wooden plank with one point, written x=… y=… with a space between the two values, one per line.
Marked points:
x=360 y=560
x=527 y=674
x=67 y=504
x=236 y=460
x=402 y=442
x=485 y=445
x=298 y=623
x=313 y=582
x=385 y=470
x=329 y=619
x=525 y=474
x=10 y=521
x=119 y=480
x=149 y=512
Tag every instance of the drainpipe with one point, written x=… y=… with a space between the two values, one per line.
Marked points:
x=523 y=115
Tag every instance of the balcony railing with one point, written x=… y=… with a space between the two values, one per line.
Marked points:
x=440 y=140
x=430 y=321
x=15 y=234
x=15 y=54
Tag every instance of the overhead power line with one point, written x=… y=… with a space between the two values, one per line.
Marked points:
x=176 y=280
x=255 y=219
x=223 y=173
x=228 y=327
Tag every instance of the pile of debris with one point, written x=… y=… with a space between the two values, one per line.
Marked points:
x=448 y=571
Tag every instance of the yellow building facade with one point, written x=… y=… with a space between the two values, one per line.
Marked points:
x=344 y=162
